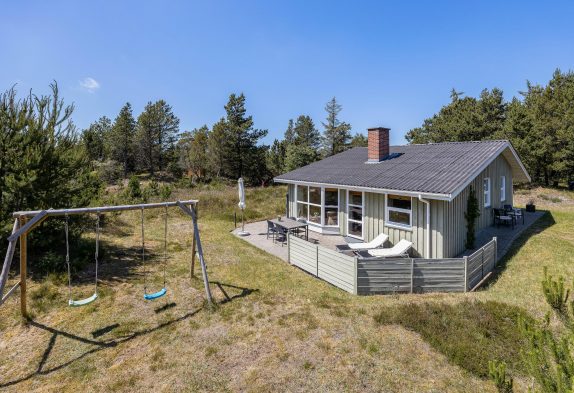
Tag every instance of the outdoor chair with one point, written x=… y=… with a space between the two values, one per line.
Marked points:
x=271 y=229
x=377 y=242
x=515 y=212
x=401 y=249
x=296 y=231
x=500 y=216
x=281 y=234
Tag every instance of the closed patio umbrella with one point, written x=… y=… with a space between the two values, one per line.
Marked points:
x=241 y=205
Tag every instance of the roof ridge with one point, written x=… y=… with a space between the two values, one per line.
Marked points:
x=456 y=142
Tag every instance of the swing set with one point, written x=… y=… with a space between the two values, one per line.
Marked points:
x=26 y=221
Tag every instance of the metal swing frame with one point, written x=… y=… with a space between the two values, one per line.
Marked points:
x=26 y=221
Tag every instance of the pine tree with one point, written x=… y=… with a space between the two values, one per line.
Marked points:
x=193 y=151
x=289 y=133
x=216 y=148
x=359 y=140
x=275 y=157
x=242 y=155
x=122 y=139
x=157 y=128
x=95 y=137
x=305 y=133
x=336 y=134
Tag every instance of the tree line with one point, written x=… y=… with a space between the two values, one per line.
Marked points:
x=539 y=124
x=231 y=149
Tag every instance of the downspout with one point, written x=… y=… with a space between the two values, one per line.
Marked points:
x=428 y=241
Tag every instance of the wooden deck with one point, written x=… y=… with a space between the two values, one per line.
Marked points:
x=504 y=234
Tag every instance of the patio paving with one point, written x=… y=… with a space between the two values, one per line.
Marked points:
x=258 y=237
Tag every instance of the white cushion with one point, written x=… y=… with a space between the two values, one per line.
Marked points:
x=376 y=242
x=398 y=249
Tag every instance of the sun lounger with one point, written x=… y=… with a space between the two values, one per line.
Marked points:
x=400 y=249
x=375 y=243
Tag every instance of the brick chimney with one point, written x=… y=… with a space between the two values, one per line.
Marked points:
x=378 y=143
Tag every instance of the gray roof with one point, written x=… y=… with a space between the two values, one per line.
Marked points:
x=436 y=168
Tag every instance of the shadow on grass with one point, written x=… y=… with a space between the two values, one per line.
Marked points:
x=540 y=225
x=103 y=345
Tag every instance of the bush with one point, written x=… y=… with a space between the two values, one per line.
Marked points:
x=109 y=171
x=134 y=189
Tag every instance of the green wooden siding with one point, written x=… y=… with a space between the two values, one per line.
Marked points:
x=448 y=225
x=455 y=228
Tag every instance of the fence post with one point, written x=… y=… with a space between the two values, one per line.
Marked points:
x=289 y=248
x=482 y=262
x=465 y=274
x=495 y=239
x=317 y=257
x=412 y=273
x=356 y=289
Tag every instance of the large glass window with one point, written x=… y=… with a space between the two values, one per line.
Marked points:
x=399 y=210
x=355 y=214
x=486 y=190
x=502 y=188
x=318 y=205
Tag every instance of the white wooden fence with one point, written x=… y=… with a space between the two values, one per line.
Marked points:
x=392 y=275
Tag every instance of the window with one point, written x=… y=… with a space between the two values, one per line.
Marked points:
x=502 y=188
x=355 y=214
x=331 y=207
x=399 y=211
x=318 y=205
x=302 y=202
x=486 y=190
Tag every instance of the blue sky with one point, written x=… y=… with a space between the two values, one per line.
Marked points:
x=388 y=63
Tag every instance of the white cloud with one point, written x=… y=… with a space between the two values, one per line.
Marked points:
x=90 y=84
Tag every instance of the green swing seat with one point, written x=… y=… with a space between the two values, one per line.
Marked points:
x=83 y=302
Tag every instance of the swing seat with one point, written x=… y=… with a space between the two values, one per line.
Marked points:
x=155 y=295
x=83 y=302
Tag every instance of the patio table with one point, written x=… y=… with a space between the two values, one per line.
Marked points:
x=290 y=225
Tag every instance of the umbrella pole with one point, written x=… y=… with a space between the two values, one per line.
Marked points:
x=242 y=232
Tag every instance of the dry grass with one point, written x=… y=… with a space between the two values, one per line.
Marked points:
x=275 y=329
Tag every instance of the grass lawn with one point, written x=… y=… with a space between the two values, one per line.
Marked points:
x=275 y=328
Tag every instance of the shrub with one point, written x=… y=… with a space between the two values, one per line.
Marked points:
x=497 y=373
x=554 y=292
x=134 y=189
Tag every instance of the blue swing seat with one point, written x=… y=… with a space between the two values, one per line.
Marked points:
x=153 y=296
x=83 y=302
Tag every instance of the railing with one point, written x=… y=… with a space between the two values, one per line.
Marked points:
x=480 y=264
x=393 y=275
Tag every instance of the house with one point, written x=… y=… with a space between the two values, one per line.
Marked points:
x=413 y=192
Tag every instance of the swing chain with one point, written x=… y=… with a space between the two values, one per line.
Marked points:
x=143 y=251
x=165 y=246
x=68 y=256
x=97 y=248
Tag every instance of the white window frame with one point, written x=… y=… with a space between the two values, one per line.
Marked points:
x=486 y=191
x=362 y=222
x=398 y=225
x=321 y=223
x=324 y=205
x=503 y=188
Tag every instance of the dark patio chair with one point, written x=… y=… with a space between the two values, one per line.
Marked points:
x=296 y=231
x=514 y=212
x=271 y=229
x=282 y=234
x=500 y=216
